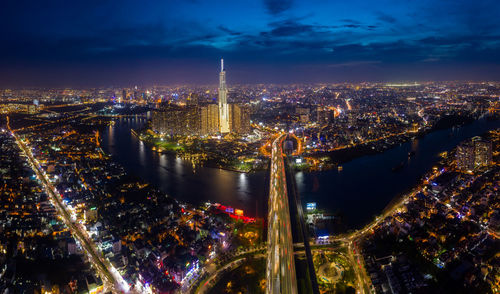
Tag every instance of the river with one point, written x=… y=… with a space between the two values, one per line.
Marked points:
x=360 y=191
x=178 y=178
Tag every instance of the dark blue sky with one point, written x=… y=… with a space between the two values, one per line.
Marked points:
x=101 y=43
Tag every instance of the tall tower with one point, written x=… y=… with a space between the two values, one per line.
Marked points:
x=223 y=107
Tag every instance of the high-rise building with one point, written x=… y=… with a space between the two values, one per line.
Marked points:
x=175 y=120
x=199 y=120
x=465 y=156
x=223 y=106
x=124 y=95
x=209 y=119
x=192 y=121
x=473 y=154
x=482 y=153
x=240 y=119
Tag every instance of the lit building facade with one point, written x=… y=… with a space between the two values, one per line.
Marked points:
x=473 y=154
x=224 y=119
x=204 y=119
x=239 y=119
x=209 y=119
x=465 y=156
x=482 y=153
x=183 y=121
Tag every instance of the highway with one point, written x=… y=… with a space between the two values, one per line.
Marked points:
x=280 y=267
x=112 y=280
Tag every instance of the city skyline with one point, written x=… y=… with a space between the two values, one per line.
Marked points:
x=264 y=147
x=277 y=41
x=309 y=189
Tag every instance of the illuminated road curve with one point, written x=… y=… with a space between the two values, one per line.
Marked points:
x=109 y=274
x=280 y=268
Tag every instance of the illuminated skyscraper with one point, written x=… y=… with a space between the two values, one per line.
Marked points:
x=473 y=154
x=482 y=153
x=465 y=156
x=239 y=118
x=223 y=106
x=175 y=120
x=209 y=119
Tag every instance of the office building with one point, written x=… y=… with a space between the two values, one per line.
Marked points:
x=224 y=119
x=473 y=154
x=209 y=119
x=239 y=119
x=176 y=120
x=465 y=156
x=482 y=153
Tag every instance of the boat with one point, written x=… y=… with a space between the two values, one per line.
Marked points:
x=411 y=153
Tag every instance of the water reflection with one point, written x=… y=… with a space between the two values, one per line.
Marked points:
x=142 y=151
x=367 y=184
x=111 y=134
x=179 y=166
x=299 y=179
x=414 y=144
x=359 y=192
x=163 y=160
x=243 y=185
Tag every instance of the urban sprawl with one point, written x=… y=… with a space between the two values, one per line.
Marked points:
x=74 y=221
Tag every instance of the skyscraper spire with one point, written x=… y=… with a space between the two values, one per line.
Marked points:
x=223 y=106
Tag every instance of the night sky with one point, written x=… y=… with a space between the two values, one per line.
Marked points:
x=123 y=43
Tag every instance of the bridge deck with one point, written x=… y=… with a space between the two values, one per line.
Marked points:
x=280 y=270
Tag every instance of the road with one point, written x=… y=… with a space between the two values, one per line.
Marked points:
x=111 y=278
x=280 y=267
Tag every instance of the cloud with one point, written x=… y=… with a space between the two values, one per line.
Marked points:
x=407 y=36
x=229 y=31
x=275 y=7
x=289 y=28
x=350 y=21
x=386 y=18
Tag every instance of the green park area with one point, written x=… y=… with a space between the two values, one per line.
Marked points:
x=247 y=235
x=334 y=272
x=249 y=277
x=161 y=143
x=241 y=166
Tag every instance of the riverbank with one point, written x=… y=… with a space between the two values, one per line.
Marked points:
x=228 y=154
x=211 y=154
x=367 y=184
x=347 y=154
x=361 y=190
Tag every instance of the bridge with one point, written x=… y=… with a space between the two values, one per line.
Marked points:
x=280 y=267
